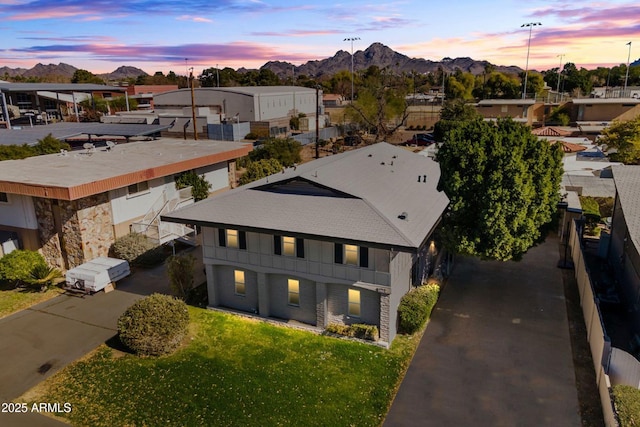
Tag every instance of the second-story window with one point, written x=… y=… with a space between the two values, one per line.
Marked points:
x=351 y=255
x=231 y=238
x=288 y=246
x=4 y=198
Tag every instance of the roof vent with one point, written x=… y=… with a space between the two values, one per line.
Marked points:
x=404 y=216
x=394 y=157
x=382 y=163
x=370 y=155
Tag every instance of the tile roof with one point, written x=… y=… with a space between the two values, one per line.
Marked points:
x=627 y=179
x=371 y=187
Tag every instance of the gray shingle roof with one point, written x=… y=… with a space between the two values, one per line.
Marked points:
x=627 y=179
x=378 y=183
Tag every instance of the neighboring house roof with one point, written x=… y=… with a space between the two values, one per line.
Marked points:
x=593 y=186
x=65 y=130
x=357 y=196
x=332 y=97
x=579 y=101
x=569 y=147
x=78 y=174
x=573 y=165
x=507 y=102
x=64 y=97
x=627 y=180
x=59 y=87
x=551 y=131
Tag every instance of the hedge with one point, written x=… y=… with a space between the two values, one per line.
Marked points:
x=415 y=308
x=627 y=403
x=16 y=267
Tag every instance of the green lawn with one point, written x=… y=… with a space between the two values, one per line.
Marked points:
x=234 y=372
x=12 y=300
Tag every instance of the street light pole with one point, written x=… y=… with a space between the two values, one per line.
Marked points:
x=626 y=77
x=351 y=39
x=526 y=68
x=559 y=76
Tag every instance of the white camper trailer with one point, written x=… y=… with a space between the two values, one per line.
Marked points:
x=95 y=275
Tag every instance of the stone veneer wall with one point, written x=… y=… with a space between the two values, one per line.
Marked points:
x=87 y=230
x=231 y=166
x=49 y=238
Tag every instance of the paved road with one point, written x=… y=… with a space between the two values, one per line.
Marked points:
x=497 y=350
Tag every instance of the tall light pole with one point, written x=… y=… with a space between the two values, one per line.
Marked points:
x=193 y=105
x=626 y=77
x=351 y=39
x=559 y=76
x=217 y=76
x=526 y=68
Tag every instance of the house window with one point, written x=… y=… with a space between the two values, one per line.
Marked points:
x=239 y=282
x=354 y=303
x=232 y=238
x=138 y=188
x=351 y=254
x=289 y=246
x=294 y=291
x=4 y=198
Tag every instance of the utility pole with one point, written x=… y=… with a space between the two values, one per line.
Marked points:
x=193 y=105
x=317 y=121
x=560 y=76
x=351 y=39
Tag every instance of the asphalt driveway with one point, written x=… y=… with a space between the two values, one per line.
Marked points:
x=497 y=350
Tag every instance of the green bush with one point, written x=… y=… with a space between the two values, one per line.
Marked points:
x=365 y=332
x=626 y=400
x=154 y=325
x=357 y=330
x=16 y=266
x=42 y=277
x=138 y=250
x=339 y=328
x=415 y=308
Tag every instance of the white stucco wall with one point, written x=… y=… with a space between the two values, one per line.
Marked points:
x=126 y=207
x=18 y=212
x=217 y=175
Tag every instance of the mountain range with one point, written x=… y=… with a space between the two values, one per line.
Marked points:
x=377 y=54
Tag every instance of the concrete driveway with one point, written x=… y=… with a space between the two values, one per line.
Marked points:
x=497 y=350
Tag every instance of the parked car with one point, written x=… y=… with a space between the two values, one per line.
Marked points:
x=421 y=139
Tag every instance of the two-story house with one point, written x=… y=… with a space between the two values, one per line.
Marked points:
x=337 y=240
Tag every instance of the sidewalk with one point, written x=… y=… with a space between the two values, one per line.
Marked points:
x=497 y=350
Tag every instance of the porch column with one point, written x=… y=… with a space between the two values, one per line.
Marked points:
x=321 y=305
x=263 y=295
x=385 y=305
x=211 y=286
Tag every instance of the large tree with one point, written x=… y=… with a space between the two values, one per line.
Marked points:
x=503 y=183
x=622 y=139
x=381 y=104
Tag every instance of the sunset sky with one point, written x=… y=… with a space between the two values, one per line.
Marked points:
x=100 y=35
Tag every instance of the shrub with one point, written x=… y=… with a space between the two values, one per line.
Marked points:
x=339 y=328
x=180 y=272
x=16 y=266
x=154 y=325
x=365 y=332
x=415 y=308
x=138 y=250
x=357 y=330
x=627 y=403
x=199 y=185
x=260 y=169
x=412 y=312
x=42 y=277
